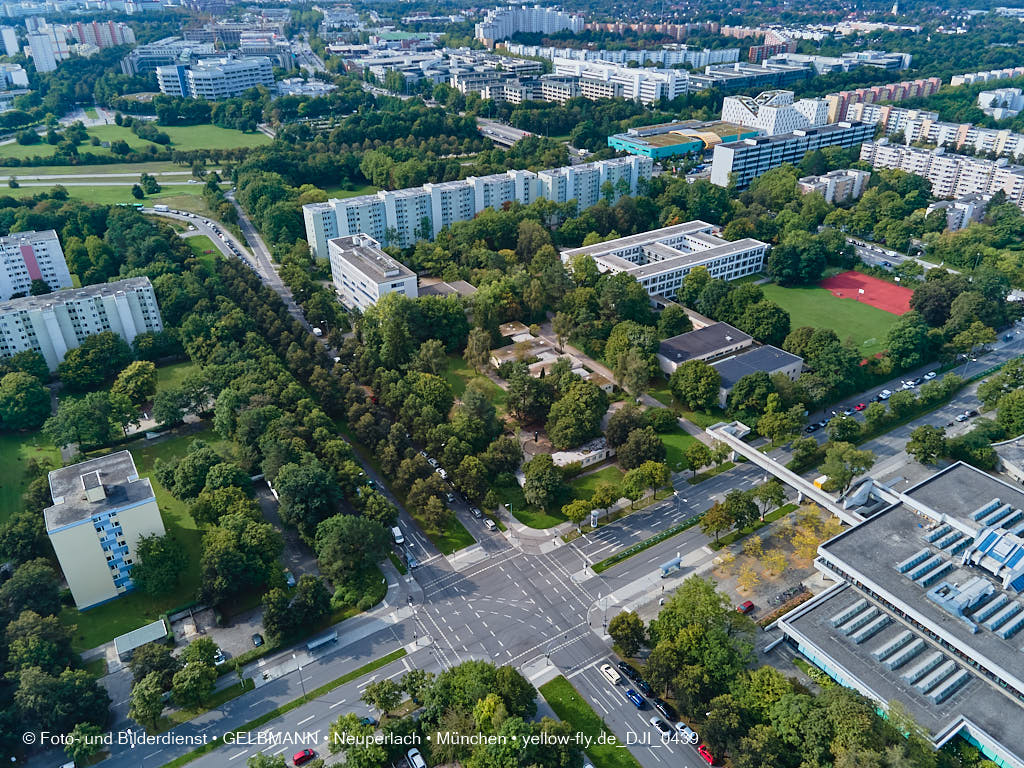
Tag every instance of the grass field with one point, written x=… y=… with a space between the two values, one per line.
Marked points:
x=170 y=376
x=341 y=193
x=105 y=622
x=850 y=319
x=15 y=451
x=676 y=444
x=573 y=709
x=583 y=486
x=105 y=194
x=131 y=169
x=203 y=247
x=459 y=375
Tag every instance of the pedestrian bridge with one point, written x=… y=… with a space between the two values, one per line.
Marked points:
x=732 y=433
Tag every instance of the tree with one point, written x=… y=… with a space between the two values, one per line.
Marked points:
x=774 y=561
x=697 y=455
x=431 y=357
x=927 y=443
x=416 y=683
x=154 y=658
x=627 y=632
x=478 y=349
x=766 y=321
x=769 y=496
x=576 y=511
x=356 y=742
x=169 y=406
x=576 y=417
x=976 y=335
x=38 y=641
x=202 y=650
x=85 y=740
x=239 y=553
x=633 y=371
x=137 y=381
x=562 y=325
x=24 y=402
x=741 y=508
x=544 y=484
x=261 y=760
x=193 y=684
x=32 y=587
x=308 y=495
x=1010 y=414
x=211 y=505
x=695 y=384
x=843 y=462
x=843 y=429
x=85 y=421
x=346 y=544
x=747 y=578
x=161 y=560
x=147 y=702
x=96 y=360
x=137 y=192
x=673 y=321
x=621 y=423
x=641 y=445
x=716 y=520
x=383 y=695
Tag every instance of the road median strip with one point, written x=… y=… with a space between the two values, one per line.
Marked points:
x=608 y=562
x=188 y=757
x=572 y=708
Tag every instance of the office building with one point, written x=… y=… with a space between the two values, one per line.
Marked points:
x=839 y=186
x=502 y=23
x=363 y=273
x=401 y=217
x=275 y=47
x=987 y=76
x=672 y=55
x=741 y=76
x=839 y=103
x=1001 y=103
x=951 y=175
x=766 y=359
x=213 y=79
x=10 y=39
x=101 y=508
x=230 y=33
x=28 y=256
x=774 y=112
x=708 y=343
x=825 y=65
x=661 y=258
x=53 y=323
x=668 y=140
x=102 y=34
x=12 y=76
x=646 y=85
x=927 y=609
x=166 y=52
x=962 y=211
x=743 y=161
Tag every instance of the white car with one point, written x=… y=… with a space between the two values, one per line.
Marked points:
x=929 y=376
x=610 y=674
x=433 y=462
x=441 y=471
x=661 y=725
x=687 y=733
x=415 y=759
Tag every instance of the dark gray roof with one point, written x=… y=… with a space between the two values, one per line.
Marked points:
x=118 y=476
x=702 y=342
x=767 y=358
x=74 y=294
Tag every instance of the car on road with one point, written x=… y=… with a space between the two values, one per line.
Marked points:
x=638 y=701
x=811 y=428
x=907 y=385
x=289 y=578
x=705 y=754
x=303 y=757
x=962 y=417
x=847 y=411
x=1008 y=337
x=450 y=497
x=645 y=689
x=367 y=721
x=415 y=759
x=860 y=406
x=661 y=725
x=257 y=640
x=885 y=394
x=745 y=607
x=410 y=560
x=930 y=375
x=442 y=472
x=490 y=525
x=475 y=512
x=823 y=423
x=918 y=381
x=665 y=709
x=686 y=733
x=628 y=670
x=610 y=674
x=431 y=460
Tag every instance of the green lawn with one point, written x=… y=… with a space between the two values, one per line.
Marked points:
x=341 y=192
x=850 y=319
x=676 y=444
x=155 y=168
x=204 y=248
x=571 y=707
x=459 y=375
x=170 y=376
x=105 y=622
x=16 y=448
x=91 y=113
x=583 y=486
x=512 y=496
x=178 y=196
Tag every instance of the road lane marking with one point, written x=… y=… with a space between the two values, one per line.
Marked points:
x=302 y=722
x=336 y=704
x=239 y=754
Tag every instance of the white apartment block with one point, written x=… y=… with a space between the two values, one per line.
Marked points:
x=951 y=176
x=363 y=273
x=987 y=76
x=774 y=112
x=836 y=186
x=41 y=49
x=213 y=79
x=1001 y=103
x=401 y=217
x=53 y=323
x=501 y=23
x=28 y=256
x=672 y=55
x=892 y=119
x=646 y=85
x=10 y=39
x=962 y=211
x=101 y=508
x=661 y=258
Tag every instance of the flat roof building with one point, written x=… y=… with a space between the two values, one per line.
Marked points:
x=661 y=258
x=28 y=256
x=674 y=139
x=53 y=323
x=929 y=610
x=836 y=186
x=101 y=507
x=363 y=273
x=214 y=79
x=707 y=343
x=768 y=359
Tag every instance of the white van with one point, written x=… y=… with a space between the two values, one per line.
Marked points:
x=396 y=534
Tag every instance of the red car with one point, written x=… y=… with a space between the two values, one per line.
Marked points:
x=745 y=607
x=705 y=754
x=303 y=757
x=859 y=407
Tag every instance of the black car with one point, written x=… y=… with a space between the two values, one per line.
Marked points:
x=645 y=689
x=257 y=640
x=971 y=414
x=919 y=381
x=628 y=670
x=811 y=428
x=665 y=709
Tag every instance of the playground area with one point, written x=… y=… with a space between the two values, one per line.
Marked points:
x=872 y=291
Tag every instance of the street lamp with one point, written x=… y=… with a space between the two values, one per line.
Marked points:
x=302 y=679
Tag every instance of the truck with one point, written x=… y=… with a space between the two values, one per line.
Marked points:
x=161 y=208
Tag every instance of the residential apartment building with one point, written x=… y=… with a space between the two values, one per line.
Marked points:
x=401 y=217
x=363 y=273
x=987 y=76
x=838 y=186
x=673 y=55
x=28 y=256
x=926 y=608
x=646 y=85
x=101 y=508
x=166 y=52
x=745 y=160
x=962 y=211
x=53 y=323
x=661 y=258
x=838 y=103
x=502 y=23
x=10 y=40
x=892 y=119
x=1001 y=103
x=41 y=49
x=102 y=34
x=774 y=112
x=758 y=53
x=213 y=79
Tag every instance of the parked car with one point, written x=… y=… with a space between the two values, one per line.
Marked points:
x=907 y=385
x=971 y=414
x=705 y=754
x=930 y=375
x=475 y=512
x=645 y=689
x=661 y=725
x=490 y=525
x=220 y=657
x=289 y=578
x=1008 y=337
x=665 y=709
x=610 y=674
x=636 y=698
x=847 y=411
x=303 y=757
x=411 y=561
x=415 y=759
x=811 y=428
x=918 y=381
x=628 y=670
x=367 y=721
x=962 y=417
x=449 y=497
x=257 y=640
x=441 y=471
x=859 y=407
x=686 y=733
x=885 y=394
x=433 y=462
x=745 y=607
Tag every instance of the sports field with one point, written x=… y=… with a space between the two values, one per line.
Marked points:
x=869 y=290
x=819 y=308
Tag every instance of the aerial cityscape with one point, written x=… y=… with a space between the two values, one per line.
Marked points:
x=417 y=384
